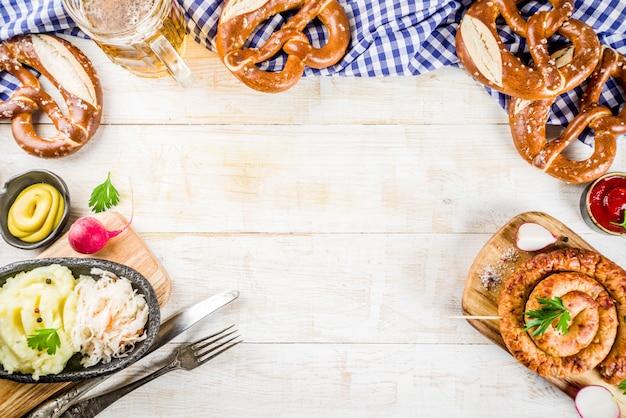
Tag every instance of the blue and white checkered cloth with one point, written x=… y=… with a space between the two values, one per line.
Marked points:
x=389 y=37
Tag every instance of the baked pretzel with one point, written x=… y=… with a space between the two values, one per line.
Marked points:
x=593 y=290
x=71 y=73
x=528 y=119
x=239 y=18
x=486 y=58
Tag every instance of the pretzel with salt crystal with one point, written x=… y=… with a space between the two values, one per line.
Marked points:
x=71 y=73
x=528 y=127
x=239 y=19
x=486 y=58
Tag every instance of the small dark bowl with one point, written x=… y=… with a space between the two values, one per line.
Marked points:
x=74 y=370
x=13 y=187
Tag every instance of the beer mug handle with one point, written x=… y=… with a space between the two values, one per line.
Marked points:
x=172 y=60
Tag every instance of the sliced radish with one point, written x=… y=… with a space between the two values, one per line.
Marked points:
x=533 y=237
x=596 y=402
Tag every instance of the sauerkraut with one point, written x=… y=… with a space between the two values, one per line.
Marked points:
x=110 y=318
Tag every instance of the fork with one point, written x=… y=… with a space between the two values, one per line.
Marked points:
x=187 y=357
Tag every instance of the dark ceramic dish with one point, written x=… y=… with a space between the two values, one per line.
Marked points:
x=74 y=370
x=13 y=187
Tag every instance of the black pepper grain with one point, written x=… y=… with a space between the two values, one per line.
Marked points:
x=48 y=281
x=39 y=319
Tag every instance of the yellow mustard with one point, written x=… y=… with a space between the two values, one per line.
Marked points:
x=36 y=212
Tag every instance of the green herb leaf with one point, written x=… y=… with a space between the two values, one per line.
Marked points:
x=623 y=224
x=45 y=339
x=551 y=310
x=104 y=196
x=622 y=386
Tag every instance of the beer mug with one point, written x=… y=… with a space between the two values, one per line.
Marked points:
x=146 y=37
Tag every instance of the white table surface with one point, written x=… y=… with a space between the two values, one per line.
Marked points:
x=346 y=211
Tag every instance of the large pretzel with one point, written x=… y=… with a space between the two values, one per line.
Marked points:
x=486 y=58
x=592 y=289
x=240 y=18
x=528 y=127
x=71 y=73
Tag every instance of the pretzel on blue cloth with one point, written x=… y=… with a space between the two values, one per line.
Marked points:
x=388 y=37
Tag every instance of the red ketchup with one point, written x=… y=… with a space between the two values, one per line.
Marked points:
x=603 y=203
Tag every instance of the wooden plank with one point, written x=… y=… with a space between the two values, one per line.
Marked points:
x=18 y=398
x=366 y=380
x=425 y=179
x=500 y=257
x=442 y=97
x=347 y=211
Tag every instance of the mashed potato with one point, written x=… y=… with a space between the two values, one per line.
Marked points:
x=37 y=299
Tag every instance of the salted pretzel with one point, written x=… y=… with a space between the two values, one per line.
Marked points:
x=239 y=19
x=591 y=288
x=483 y=54
x=527 y=120
x=71 y=73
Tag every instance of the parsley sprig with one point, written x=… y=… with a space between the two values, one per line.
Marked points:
x=622 y=386
x=622 y=224
x=552 y=309
x=45 y=339
x=104 y=196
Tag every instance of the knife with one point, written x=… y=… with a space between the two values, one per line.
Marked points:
x=172 y=327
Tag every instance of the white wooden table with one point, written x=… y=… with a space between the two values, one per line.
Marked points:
x=346 y=211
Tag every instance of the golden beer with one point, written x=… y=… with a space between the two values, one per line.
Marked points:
x=146 y=37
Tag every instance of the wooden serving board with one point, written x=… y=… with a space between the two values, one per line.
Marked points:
x=501 y=257
x=16 y=399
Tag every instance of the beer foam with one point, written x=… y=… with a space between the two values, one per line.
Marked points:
x=116 y=15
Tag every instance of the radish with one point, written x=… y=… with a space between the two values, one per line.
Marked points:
x=533 y=237
x=88 y=235
x=596 y=402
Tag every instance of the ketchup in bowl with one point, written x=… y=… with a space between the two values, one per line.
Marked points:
x=603 y=204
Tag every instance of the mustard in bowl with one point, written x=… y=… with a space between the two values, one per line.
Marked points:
x=34 y=209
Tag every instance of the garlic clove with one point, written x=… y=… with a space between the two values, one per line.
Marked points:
x=533 y=237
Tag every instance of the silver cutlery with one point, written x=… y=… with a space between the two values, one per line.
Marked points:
x=172 y=327
x=186 y=357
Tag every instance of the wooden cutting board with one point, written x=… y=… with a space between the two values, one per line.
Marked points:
x=16 y=399
x=498 y=259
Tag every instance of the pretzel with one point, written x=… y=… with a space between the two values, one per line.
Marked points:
x=592 y=289
x=486 y=58
x=528 y=120
x=239 y=19
x=71 y=73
